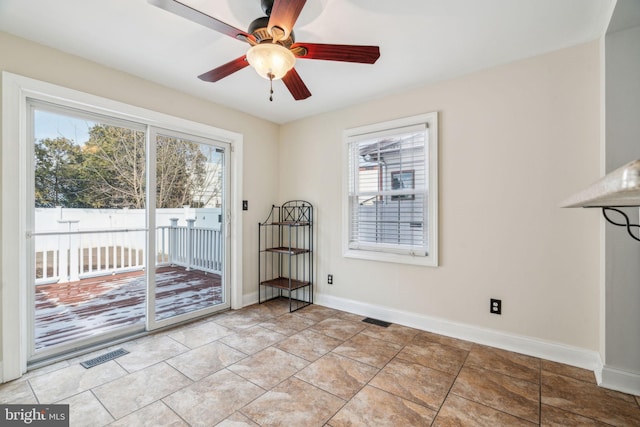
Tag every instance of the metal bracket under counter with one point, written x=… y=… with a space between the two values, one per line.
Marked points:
x=616 y=190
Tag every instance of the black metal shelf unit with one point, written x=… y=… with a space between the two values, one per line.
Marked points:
x=285 y=259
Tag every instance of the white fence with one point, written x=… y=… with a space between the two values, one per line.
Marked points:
x=116 y=242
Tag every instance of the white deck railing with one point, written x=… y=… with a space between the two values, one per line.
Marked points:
x=72 y=255
x=191 y=247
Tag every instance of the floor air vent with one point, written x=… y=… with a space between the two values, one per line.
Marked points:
x=104 y=358
x=376 y=322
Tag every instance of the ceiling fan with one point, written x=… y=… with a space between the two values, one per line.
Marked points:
x=273 y=50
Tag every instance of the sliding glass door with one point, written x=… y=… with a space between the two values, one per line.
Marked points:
x=127 y=228
x=189 y=222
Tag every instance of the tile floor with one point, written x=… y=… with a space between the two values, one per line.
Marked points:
x=263 y=366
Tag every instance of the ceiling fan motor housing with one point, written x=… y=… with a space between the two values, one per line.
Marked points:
x=258 y=28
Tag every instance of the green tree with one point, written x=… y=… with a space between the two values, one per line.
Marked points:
x=57 y=177
x=207 y=182
x=177 y=163
x=114 y=167
x=108 y=171
x=184 y=175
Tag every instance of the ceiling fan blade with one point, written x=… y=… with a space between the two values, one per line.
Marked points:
x=284 y=14
x=198 y=17
x=337 y=52
x=295 y=85
x=224 y=70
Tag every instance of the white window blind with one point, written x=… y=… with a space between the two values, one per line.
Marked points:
x=388 y=183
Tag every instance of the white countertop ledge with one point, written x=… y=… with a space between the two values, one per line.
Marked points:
x=616 y=189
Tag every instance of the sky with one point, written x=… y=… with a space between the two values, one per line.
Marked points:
x=51 y=125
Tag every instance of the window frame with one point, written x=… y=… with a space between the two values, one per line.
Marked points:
x=390 y=254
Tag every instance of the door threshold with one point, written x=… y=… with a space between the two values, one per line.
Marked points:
x=39 y=363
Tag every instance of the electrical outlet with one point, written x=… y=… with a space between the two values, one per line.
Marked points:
x=330 y=279
x=496 y=306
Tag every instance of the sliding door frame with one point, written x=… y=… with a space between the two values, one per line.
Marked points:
x=16 y=90
x=151 y=317
x=33 y=356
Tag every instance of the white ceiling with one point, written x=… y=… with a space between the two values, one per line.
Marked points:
x=421 y=41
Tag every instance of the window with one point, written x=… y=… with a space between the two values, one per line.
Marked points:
x=391 y=191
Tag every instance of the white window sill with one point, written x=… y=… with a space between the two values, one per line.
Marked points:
x=425 y=261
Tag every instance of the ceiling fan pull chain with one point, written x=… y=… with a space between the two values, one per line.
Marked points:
x=271 y=87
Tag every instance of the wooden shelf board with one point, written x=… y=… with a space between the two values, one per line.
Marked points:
x=283 y=283
x=291 y=223
x=287 y=251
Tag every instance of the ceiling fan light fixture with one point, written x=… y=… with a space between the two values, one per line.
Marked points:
x=271 y=60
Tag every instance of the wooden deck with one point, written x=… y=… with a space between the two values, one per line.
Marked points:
x=89 y=307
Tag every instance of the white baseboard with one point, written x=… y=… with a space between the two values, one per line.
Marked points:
x=616 y=379
x=552 y=351
x=249 y=299
x=607 y=377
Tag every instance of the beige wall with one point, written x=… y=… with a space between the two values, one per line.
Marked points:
x=515 y=141
x=260 y=177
